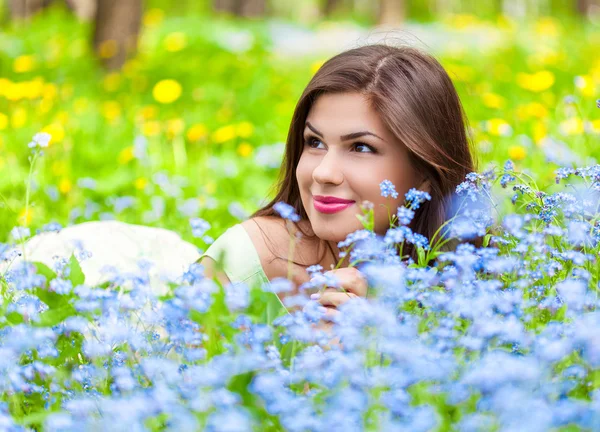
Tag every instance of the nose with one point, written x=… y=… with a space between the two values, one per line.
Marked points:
x=329 y=170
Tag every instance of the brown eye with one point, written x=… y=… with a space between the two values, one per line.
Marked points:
x=310 y=141
x=364 y=148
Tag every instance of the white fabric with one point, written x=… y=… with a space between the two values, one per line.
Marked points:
x=113 y=243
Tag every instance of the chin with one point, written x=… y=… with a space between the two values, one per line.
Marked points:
x=333 y=233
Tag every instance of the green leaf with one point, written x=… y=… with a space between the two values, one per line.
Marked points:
x=44 y=270
x=76 y=276
x=51 y=317
x=486 y=240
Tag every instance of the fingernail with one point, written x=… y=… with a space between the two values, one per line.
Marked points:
x=315 y=296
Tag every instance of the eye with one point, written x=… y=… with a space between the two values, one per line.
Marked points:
x=310 y=141
x=364 y=146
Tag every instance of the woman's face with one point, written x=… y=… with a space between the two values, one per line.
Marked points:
x=350 y=168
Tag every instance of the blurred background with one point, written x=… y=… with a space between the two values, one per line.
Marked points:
x=161 y=111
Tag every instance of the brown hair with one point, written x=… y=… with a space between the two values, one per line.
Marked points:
x=416 y=100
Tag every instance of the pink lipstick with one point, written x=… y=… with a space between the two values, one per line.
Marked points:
x=330 y=204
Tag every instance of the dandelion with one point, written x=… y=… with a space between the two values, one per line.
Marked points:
x=167 y=91
x=40 y=140
x=388 y=189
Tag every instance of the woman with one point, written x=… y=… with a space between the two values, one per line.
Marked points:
x=369 y=114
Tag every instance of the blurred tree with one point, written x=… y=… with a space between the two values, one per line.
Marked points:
x=23 y=9
x=391 y=12
x=241 y=8
x=329 y=7
x=584 y=7
x=84 y=9
x=116 y=31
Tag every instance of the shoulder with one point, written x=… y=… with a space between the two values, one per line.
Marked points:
x=271 y=238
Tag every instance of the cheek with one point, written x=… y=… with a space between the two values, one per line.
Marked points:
x=303 y=174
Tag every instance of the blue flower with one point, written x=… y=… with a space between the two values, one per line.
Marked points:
x=414 y=198
x=40 y=140
x=199 y=227
x=405 y=215
x=286 y=211
x=388 y=189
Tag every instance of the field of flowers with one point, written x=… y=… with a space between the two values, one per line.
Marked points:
x=505 y=337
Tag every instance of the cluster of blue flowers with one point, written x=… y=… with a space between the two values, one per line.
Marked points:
x=499 y=337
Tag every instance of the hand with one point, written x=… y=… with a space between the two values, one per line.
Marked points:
x=353 y=282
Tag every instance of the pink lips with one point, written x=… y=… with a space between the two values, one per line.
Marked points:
x=329 y=204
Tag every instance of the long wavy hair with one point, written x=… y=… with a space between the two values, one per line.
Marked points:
x=417 y=101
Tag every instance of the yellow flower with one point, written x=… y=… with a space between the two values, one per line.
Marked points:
x=56 y=130
x=316 y=66
x=151 y=128
x=175 y=41
x=3 y=121
x=492 y=100
x=536 y=82
x=50 y=91
x=166 y=91
x=572 y=126
x=25 y=216
x=111 y=110
x=532 y=109
x=112 y=81
x=140 y=183
x=153 y=17
x=498 y=127
x=196 y=132
x=175 y=127
x=36 y=88
x=244 y=149
x=244 y=129
x=24 y=63
x=460 y=73
x=224 y=133
x=149 y=112
x=539 y=132
x=586 y=85
x=65 y=186
x=18 y=118
x=4 y=84
x=596 y=126
x=547 y=26
x=126 y=155
x=461 y=21
x=108 y=48
x=13 y=91
x=517 y=152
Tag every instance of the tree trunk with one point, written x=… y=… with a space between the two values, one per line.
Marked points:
x=23 y=9
x=391 y=12
x=84 y=9
x=241 y=8
x=330 y=6
x=116 y=31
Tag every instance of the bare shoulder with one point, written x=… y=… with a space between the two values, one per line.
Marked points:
x=269 y=236
x=271 y=239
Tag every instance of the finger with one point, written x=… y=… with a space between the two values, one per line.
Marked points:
x=335 y=298
x=352 y=280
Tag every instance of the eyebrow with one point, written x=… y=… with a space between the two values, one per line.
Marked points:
x=350 y=136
